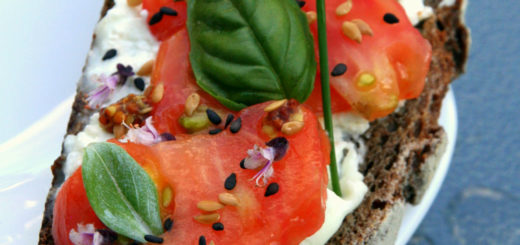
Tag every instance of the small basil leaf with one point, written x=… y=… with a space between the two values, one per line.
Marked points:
x=120 y=192
x=244 y=52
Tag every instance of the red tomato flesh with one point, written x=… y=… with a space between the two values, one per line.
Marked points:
x=72 y=208
x=168 y=24
x=173 y=69
x=396 y=55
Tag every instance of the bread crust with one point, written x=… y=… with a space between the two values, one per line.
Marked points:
x=392 y=179
x=414 y=133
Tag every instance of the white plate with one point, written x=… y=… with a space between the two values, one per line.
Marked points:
x=25 y=176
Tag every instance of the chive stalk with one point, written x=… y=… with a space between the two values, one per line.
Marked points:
x=325 y=92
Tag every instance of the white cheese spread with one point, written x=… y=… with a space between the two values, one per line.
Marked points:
x=416 y=11
x=125 y=29
x=75 y=144
x=347 y=129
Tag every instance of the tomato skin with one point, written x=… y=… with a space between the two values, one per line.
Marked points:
x=72 y=208
x=168 y=24
x=397 y=55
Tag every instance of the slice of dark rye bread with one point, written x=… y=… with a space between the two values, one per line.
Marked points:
x=402 y=149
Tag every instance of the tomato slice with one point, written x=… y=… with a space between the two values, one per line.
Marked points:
x=195 y=168
x=172 y=68
x=169 y=24
x=72 y=208
x=396 y=56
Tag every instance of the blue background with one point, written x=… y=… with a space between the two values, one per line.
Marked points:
x=479 y=202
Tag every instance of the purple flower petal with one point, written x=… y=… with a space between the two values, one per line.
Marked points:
x=146 y=135
x=280 y=145
x=124 y=72
x=99 y=95
x=265 y=157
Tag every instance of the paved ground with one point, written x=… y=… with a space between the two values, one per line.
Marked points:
x=479 y=201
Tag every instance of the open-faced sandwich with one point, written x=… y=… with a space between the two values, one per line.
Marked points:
x=201 y=121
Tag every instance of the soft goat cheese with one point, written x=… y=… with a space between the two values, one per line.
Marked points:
x=347 y=128
x=74 y=145
x=415 y=10
x=124 y=28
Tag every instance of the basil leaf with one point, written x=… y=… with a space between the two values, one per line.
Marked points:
x=244 y=52
x=120 y=192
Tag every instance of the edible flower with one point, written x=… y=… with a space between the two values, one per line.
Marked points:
x=123 y=72
x=100 y=94
x=108 y=85
x=146 y=135
x=265 y=157
x=86 y=235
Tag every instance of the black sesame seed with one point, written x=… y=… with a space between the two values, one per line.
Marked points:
x=231 y=182
x=229 y=119
x=168 y=224
x=242 y=164
x=155 y=18
x=218 y=226
x=153 y=239
x=339 y=70
x=215 y=131
x=271 y=189
x=110 y=54
x=168 y=11
x=167 y=137
x=390 y=18
x=108 y=235
x=202 y=240
x=139 y=83
x=300 y=3
x=213 y=117
x=236 y=125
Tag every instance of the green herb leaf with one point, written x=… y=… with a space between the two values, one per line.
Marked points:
x=120 y=192
x=244 y=52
